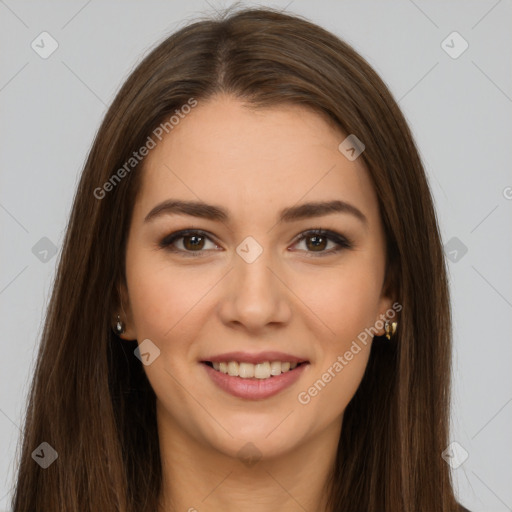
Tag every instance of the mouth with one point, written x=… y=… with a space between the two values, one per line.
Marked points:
x=263 y=370
x=254 y=381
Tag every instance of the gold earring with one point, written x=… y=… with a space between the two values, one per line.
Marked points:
x=390 y=329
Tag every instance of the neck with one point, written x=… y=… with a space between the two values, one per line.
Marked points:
x=199 y=478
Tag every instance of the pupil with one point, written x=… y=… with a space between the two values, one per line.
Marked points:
x=196 y=242
x=316 y=237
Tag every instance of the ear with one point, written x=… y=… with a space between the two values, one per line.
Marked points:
x=385 y=312
x=388 y=305
x=123 y=309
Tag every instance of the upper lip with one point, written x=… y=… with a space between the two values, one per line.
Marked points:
x=255 y=358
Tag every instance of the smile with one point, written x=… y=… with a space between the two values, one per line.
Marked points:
x=254 y=381
x=263 y=370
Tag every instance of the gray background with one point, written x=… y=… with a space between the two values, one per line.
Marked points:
x=460 y=113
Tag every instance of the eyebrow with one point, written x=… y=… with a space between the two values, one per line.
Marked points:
x=218 y=213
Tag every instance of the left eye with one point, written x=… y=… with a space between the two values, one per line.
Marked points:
x=318 y=238
x=193 y=241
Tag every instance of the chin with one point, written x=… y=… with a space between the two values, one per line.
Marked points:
x=269 y=435
x=253 y=448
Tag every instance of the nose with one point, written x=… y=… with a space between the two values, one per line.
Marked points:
x=255 y=294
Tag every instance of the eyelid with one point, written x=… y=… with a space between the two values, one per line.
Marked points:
x=168 y=240
x=342 y=242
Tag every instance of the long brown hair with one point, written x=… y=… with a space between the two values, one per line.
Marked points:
x=90 y=399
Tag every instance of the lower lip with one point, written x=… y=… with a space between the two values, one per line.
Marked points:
x=255 y=389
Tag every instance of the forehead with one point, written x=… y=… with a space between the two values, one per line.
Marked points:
x=253 y=162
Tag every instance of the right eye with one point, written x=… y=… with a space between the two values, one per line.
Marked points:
x=192 y=241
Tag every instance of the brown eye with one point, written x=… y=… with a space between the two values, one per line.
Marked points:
x=188 y=242
x=193 y=242
x=316 y=241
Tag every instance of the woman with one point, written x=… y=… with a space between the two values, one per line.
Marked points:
x=251 y=309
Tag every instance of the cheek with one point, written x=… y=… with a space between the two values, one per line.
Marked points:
x=165 y=305
x=347 y=310
x=164 y=299
x=344 y=302
x=334 y=386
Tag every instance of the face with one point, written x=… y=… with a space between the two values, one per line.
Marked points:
x=246 y=282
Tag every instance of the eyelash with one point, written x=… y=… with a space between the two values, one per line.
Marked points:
x=342 y=241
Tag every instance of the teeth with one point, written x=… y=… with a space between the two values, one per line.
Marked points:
x=233 y=368
x=259 y=371
x=275 y=368
x=262 y=370
x=245 y=370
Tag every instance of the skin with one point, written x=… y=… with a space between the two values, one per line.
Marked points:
x=253 y=163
